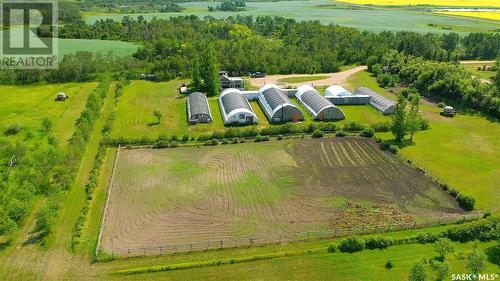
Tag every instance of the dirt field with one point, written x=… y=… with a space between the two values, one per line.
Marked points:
x=333 y=78
x=192 y=195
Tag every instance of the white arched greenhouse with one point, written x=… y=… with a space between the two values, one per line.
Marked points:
x=339 y=95
x=277 y=106
x=317 y=105
x=382 y=104
x=235 y=108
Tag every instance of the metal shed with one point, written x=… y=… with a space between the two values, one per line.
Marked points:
x=198 y=108
x=318 y=106
x=235 y=108
x=382 y=104
x=338 y=95
x=277 y=106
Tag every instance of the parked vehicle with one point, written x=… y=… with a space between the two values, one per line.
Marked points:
x=448 y=111
x=257 y=75
x=61 y=97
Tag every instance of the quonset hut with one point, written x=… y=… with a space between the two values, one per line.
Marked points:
x=198 y=108
x=317 y=105
x=382 y=104
x=338 y=95
x=235 y=108
x=277 y=106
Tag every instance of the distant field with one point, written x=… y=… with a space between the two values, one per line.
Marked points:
x=462 y=151
x=117 y=48
x=28 y=105
x=194 y=195
x=302 y=79
x=459 y=3
x=325 y=11
x=135 y=117
x=481 y=15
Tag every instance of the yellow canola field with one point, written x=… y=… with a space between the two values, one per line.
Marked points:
x=482 y=15
x=460 y=3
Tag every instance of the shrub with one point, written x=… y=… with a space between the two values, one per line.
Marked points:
x=453 y=192
x=185 y=138
x=12 y=129
x=493 y=254
x=382 y=126
x=389 y=264
x=225 y=141
x=351 y=245
x=385 y=145
x=466 y=202
x=174 y=144
x=394 y=149
x=235 y=140
x=160 y=144
x=353 y=127
x=441 y=104
x=340 y=134
x=424 y=124
x=367 y=133
x=318 y=133
x=471 y=231
x=173 y=138
x=377 y=243
x=280 y=137
x=332 y=248
x=427 y=237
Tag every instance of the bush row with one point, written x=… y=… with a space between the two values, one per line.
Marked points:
x=69 y=167
x=485 y=229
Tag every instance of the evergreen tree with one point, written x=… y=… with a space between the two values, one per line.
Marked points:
x=197 y=82
x=210 y=72
x=399 y=128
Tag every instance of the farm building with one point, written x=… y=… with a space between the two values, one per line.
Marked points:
x=227 y=82
x=382 y=104
x=198 y=108
x=235 y=108
x=318 y=106
x=338 y=95
x=277 y=106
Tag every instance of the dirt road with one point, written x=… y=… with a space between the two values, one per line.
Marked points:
x=333 y=78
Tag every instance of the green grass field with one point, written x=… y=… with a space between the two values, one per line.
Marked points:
x=462 y=151
x=302 y=79
x=365 y=18
x=28 y=105
x=116 y=48
x=135 y=117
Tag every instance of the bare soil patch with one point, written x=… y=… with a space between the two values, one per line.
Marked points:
x=193 y=195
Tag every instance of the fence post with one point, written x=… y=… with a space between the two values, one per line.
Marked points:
x=190 y=248
x=161 y=250
x=308 y=236
x=221 y=244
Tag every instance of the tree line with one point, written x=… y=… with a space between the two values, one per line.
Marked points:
x=440 y=81
x=273 y=44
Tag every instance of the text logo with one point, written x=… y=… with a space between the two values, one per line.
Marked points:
x=29 y=35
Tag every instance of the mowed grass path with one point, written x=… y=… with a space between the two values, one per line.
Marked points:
x=28 y=105
x=462 y=151
x=135 y=117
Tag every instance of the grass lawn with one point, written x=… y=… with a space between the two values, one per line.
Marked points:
x=300 y=79
x=480 y=73
x=461 y=151
x=135 y=117
x=28 y=105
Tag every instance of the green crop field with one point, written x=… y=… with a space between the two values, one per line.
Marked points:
x=461 y=151
x=116 y=48
x=28 y=105
x=135 y=117
x=325 y=11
